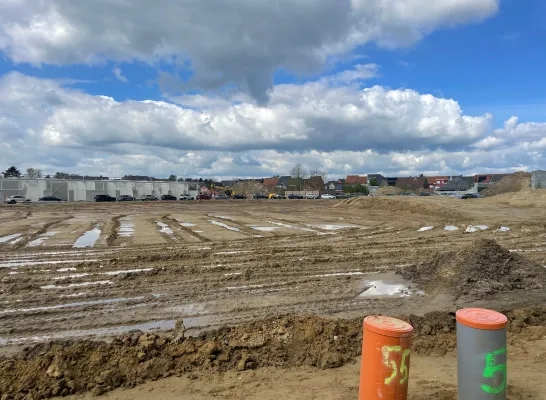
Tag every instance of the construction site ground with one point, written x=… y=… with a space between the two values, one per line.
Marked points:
x=99 y=286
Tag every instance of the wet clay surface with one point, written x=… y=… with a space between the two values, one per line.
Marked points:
x=187 y=271
x=61 y=368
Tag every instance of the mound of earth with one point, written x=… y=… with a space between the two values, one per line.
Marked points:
x=477 y=271
x=72 y=367
x=383 y=190
x=516 y=182
x=403 y=204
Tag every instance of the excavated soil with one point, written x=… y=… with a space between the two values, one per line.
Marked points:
x=477 y=270
x=63 y=368
x=516 y=182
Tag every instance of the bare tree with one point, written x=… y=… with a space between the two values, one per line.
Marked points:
x=298 y=172
x=319 y=172
x=34 y=173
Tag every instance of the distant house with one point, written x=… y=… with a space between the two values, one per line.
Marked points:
x=391 y=181
x=271 y=182
x=356 y=180
x=334 y=187
x=458 y=184
x=284 y=181
x=380 y=179
x=313 y=183
x=412 y=183
x=436 y=182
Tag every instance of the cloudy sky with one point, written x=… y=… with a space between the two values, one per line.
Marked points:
x=240 y=88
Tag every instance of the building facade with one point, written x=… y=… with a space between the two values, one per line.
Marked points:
x=80 y=190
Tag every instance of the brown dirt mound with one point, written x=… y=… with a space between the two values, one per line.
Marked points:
x=516 y=182
x=536 y=198
x=413 y=206
x=383 y=190
x=71 y=367
x=478 y=270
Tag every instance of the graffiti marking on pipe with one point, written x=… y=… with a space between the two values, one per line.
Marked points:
x=388 y=362
x=492 y=368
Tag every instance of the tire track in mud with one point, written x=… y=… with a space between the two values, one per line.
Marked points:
x=242 y=227
x=41 y=231
x=113 y=229
x=175 y=225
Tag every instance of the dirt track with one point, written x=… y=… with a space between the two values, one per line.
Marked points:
x=211 y=264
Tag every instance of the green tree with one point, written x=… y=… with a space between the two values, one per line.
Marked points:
x=12 y=172
x=61 y=175
x=373 y=181
x=172 y=178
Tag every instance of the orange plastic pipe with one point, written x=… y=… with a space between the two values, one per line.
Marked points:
x=384 y=370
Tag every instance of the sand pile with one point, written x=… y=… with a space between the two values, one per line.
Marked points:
x=516 y=182
x=406 y=205
x=385 y=190
x=477 y=271
x=525 y=199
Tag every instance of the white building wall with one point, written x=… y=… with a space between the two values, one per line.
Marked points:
x=86 y=190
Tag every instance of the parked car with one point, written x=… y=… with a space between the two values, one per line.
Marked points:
x=104 y=197
x=126 y=197
x=239 y=197
x=327 y=196
x=311 y=196
x=148 y=197
x=342 y=196
x=185 y=197
x=275 y=196
x=471 y=196
x=293 y=196
x=16 y=199
x=260 y=196
x=203 y=197
x=168 y=197
x=49 y=198
x=222 y=197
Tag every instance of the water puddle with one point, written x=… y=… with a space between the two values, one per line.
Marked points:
x=475 y=228
x=70 y=276
x=126 y=227
x=71 y=305
x=333 y=227
x=8 y=239
x=41 y=239
x=73 y=285
x=264 y=228
x=23 y=263
x=110 y=331
x=244 y=287
x=339 y=274
x=233 y=274
x=300 y=228
x=386 y=284
x=127 y=271
x=66 y=269
x=222 y=217
x=232 y=252
x=425 y=228
x=88 y=239
x=503 y=229
x=231 y=228
x=186 y=224
x=166 y=229
x=451 y=228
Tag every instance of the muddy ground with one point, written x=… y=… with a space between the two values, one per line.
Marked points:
x=205 y=265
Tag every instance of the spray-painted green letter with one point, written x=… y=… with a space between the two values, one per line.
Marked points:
x=491 y=369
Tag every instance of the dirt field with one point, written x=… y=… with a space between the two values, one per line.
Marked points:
x=82 y=279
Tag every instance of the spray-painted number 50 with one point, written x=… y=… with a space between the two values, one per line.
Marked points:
x=387 y=361
x=493 y=368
